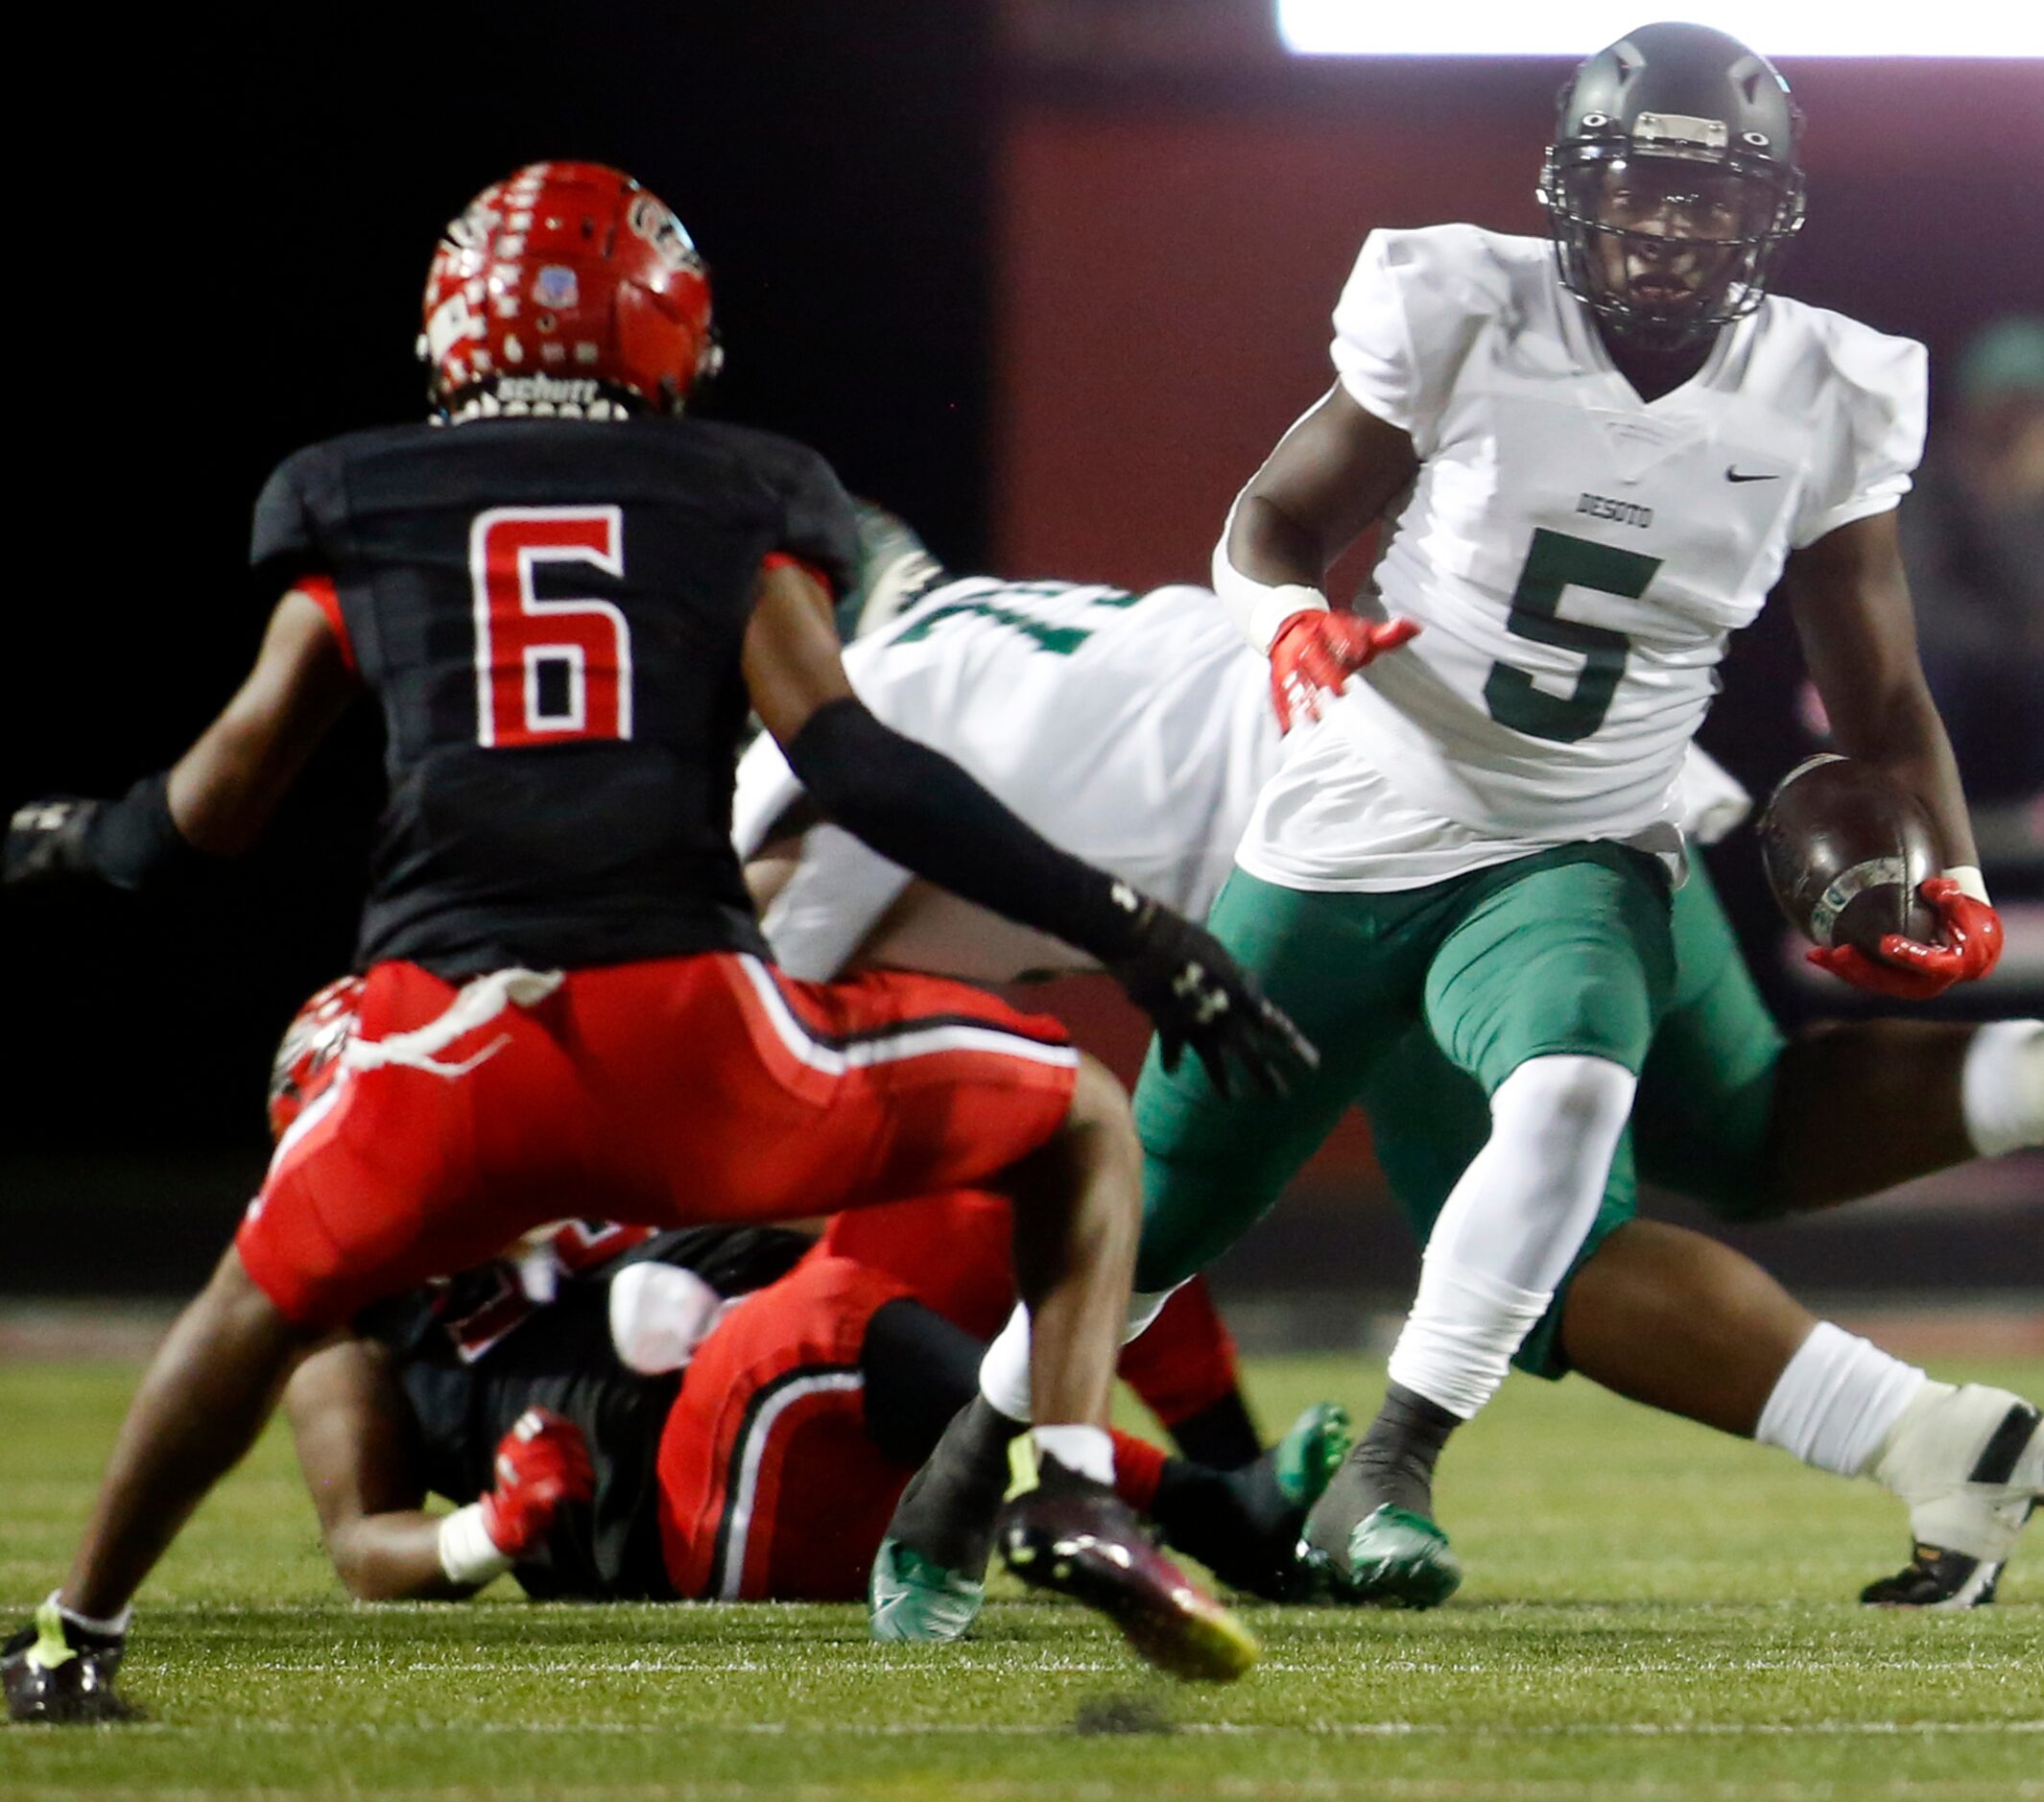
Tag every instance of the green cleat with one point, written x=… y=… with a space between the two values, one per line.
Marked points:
x=1305 y=1459
x=911 y=1600
x=1397 y=1559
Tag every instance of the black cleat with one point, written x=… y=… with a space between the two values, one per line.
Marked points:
x=1970 y=1464
x=58 y=1671
x=1937 y=1579
x=1077 y=1539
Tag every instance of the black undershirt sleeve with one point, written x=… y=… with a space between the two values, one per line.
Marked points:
x=917 y=807
x=134 y=844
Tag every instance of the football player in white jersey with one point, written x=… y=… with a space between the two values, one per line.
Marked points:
x=1137 y=729
x=1618 y=445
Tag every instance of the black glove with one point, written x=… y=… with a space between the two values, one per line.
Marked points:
x=1195 y=994
x=46 y=840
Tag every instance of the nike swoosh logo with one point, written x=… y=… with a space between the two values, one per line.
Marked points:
x=1732 y=474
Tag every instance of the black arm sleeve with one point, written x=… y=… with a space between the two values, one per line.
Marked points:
x=917 y=807
x=134 y=844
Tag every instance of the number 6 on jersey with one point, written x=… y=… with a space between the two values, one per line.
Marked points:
x=548 y=671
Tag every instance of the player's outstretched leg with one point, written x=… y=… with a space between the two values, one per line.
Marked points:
x=208 y=1390
x=1065 y=1532
x=1969 y=1462
x=1684 y=1324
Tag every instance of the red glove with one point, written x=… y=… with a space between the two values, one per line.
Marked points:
x=1316 y=651
x=541 y=1464
x=1970 y=933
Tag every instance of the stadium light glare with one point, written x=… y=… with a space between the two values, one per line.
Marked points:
x=1570 y=27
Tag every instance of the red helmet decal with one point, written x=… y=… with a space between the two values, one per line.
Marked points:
x=565 y=290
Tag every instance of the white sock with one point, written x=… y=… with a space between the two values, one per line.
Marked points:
x=1837 y=1401
x=1512 y=1226
x=1004 y=1368
x=1085 y=1451
x=1522 y=1208
x=114 y=1628
x=1456 y=1345
x=2002 y=1086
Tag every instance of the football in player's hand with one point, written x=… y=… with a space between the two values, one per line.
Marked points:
x=1845 y=846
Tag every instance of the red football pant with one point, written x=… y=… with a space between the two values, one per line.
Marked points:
x=667 y=1093
x=771 y=1487
x=952 y=1254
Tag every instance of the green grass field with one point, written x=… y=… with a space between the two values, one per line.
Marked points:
x=1651 y=1612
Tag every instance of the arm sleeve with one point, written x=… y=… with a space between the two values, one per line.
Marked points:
x=920 y=809
x=134 y=844
x=1878 y=442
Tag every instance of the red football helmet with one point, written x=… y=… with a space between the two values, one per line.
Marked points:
x=309 y=1055
x=566 y=290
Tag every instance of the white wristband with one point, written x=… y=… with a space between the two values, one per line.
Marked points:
x=1969 y=880
x=1257 y=608
x=468 y=1554
x=1275 y=605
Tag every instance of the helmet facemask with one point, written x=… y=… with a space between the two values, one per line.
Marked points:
x=1666 y=248
x=1672 y=187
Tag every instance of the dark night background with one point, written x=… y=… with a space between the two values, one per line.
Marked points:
x=242 y=227
x=831 y=160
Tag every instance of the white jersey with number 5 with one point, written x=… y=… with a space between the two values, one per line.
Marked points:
x=1132 y=730
x=1578 y=557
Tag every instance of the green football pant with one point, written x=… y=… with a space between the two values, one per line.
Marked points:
x=1564 y=953
x=1700 y=1122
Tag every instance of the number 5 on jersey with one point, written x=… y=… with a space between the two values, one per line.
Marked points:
x=1557 y=561
x=548 y=671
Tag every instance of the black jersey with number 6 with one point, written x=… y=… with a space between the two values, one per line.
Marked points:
x=550 y=613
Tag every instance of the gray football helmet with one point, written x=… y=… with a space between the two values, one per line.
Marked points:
x=1671 y=186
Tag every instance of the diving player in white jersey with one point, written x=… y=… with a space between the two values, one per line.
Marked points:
x=1618 y=445
x=1137 y=729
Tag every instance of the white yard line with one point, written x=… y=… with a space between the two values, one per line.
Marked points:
x=1219 y=1729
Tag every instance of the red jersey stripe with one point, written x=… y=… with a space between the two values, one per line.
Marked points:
x=784 y=560
x=320 y=591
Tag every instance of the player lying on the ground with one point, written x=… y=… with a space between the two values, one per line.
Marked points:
x=1156 y=701
x=566 y=594
x=835 y=1383
x=715 y=1413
